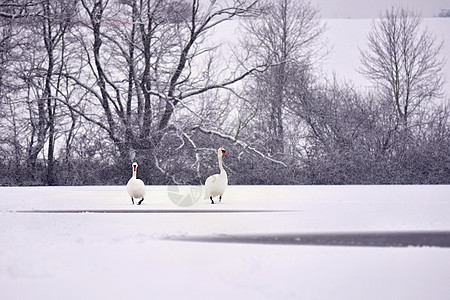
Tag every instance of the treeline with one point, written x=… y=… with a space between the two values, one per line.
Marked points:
x=89 y=86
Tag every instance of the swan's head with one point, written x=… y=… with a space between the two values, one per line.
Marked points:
x=221 y=151
x=135 y=165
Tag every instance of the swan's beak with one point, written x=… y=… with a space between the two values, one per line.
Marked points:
x=134 y=168
x=223 y=152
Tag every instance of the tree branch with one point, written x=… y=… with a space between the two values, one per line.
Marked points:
x=239 y=142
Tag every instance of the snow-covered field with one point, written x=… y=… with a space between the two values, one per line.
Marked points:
x=79 y=245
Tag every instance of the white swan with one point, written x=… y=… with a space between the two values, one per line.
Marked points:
x=215 y=185
x=136 y=187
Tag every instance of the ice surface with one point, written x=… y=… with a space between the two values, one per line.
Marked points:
x=98 y=255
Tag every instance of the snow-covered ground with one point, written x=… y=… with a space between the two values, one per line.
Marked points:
x=146 y=252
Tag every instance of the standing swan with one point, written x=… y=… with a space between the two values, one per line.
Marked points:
x=215 y=185
x=136 y=187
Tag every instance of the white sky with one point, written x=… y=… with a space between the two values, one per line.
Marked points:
x=372 y=8
x=347 y=36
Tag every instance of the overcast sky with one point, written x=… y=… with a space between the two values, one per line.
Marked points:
x=371 y=8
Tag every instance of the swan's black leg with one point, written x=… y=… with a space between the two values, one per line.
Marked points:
x=132 y=200
x=212 y=201
x=139 y=203
x=220 y=198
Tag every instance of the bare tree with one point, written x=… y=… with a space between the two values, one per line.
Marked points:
x=285 y=36
x=34 y=43
x=145 y=61
x=58 y=16
x=19 y=71
x=403 y=59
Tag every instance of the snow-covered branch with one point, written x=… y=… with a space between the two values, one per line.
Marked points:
x=239 y=142
x=172 y=177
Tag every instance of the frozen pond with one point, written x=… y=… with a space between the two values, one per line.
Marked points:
x=261 y=242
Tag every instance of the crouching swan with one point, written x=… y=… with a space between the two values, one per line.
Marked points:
x=215 y=185
x=136 y=187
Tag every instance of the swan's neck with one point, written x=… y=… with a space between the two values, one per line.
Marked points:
x=222 y=170
x=134 y=173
